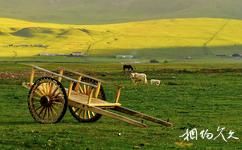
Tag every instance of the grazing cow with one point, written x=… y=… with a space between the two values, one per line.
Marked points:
x=128 y=67
x=138 y=78
x=155 y=82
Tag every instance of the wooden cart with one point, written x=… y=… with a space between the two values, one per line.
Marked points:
x=48 y=99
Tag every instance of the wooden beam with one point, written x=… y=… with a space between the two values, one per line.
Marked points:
x=90 y=96
x=117 y=116
x=143 y=116
x=61 y=72
x=104 y=104
x=64 y=77
x=107 y=113
x=70 y=89
x=78 y=84
x=82 y=74
x=118 y=94
x=98 y=89
x=32 y=77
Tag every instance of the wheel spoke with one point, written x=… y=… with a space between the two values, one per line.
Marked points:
x=57 y=100
x=53 y=111
x=42 y=87
x=39 y=91
x=77 y=109
x=45 y=113
x=54 y=91
x=51 y=88
x=38 y=108
x=88 y=113
x=85 y=114
x=41 y=111
x=47 y=88
x=48 y=113
x=57 y=95
x=93 y=114
x=80 y=113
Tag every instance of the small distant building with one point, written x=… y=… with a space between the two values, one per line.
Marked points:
x=77 y=54
x=47 y=54
x=125 y=56
x=189 y=57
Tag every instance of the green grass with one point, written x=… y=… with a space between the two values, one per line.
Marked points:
x=195 y=99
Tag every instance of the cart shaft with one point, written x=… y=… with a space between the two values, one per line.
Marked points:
x=141 y=115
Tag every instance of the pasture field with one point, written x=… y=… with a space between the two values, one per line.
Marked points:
x=190 y=97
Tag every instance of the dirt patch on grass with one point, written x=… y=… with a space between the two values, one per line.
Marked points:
x=16 y=75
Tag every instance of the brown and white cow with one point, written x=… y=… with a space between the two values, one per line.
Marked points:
x=138 y=78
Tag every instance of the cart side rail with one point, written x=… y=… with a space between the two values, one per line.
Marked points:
x=83 y=75
x=58 y=75
x=99 y=82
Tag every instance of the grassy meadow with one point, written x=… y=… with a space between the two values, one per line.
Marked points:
x=202 y=96
x=192 y=45
x=165 y=38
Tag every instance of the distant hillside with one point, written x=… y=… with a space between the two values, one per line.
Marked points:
x=110 y=11
x=156 y=38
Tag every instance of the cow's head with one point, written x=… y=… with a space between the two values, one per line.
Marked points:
x=132 y=75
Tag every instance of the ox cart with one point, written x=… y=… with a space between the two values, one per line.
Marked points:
x=48 y=99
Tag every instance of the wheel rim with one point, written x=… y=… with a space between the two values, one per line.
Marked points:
x=86 y=115
x=47 y=101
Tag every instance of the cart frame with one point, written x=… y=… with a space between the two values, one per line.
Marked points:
x=91 y=102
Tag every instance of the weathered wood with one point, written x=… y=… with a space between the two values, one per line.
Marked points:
x=61 y=72
x=32 y=77
x=78 y=84
x=84 y=75
x=104 y=105
x=70 y=89
x=64 y=77
x=143 y=116
x=117 y=116
x=90 y=96
x=108 y=114
x=97 y=89
x=26 y=85
x=83 y=99
x=118 y=94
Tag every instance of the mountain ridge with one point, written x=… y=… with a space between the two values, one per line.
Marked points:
x=116 y=11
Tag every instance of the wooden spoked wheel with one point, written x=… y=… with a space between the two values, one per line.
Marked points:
x=47 y=100
x=86 y=115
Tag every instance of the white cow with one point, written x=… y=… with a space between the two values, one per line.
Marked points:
x=155 y=82
x=138 y=78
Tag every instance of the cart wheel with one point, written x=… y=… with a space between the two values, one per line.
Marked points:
x=86 y=115
x=47 y=100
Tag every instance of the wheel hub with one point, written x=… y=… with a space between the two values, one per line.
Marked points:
x=45 y=101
